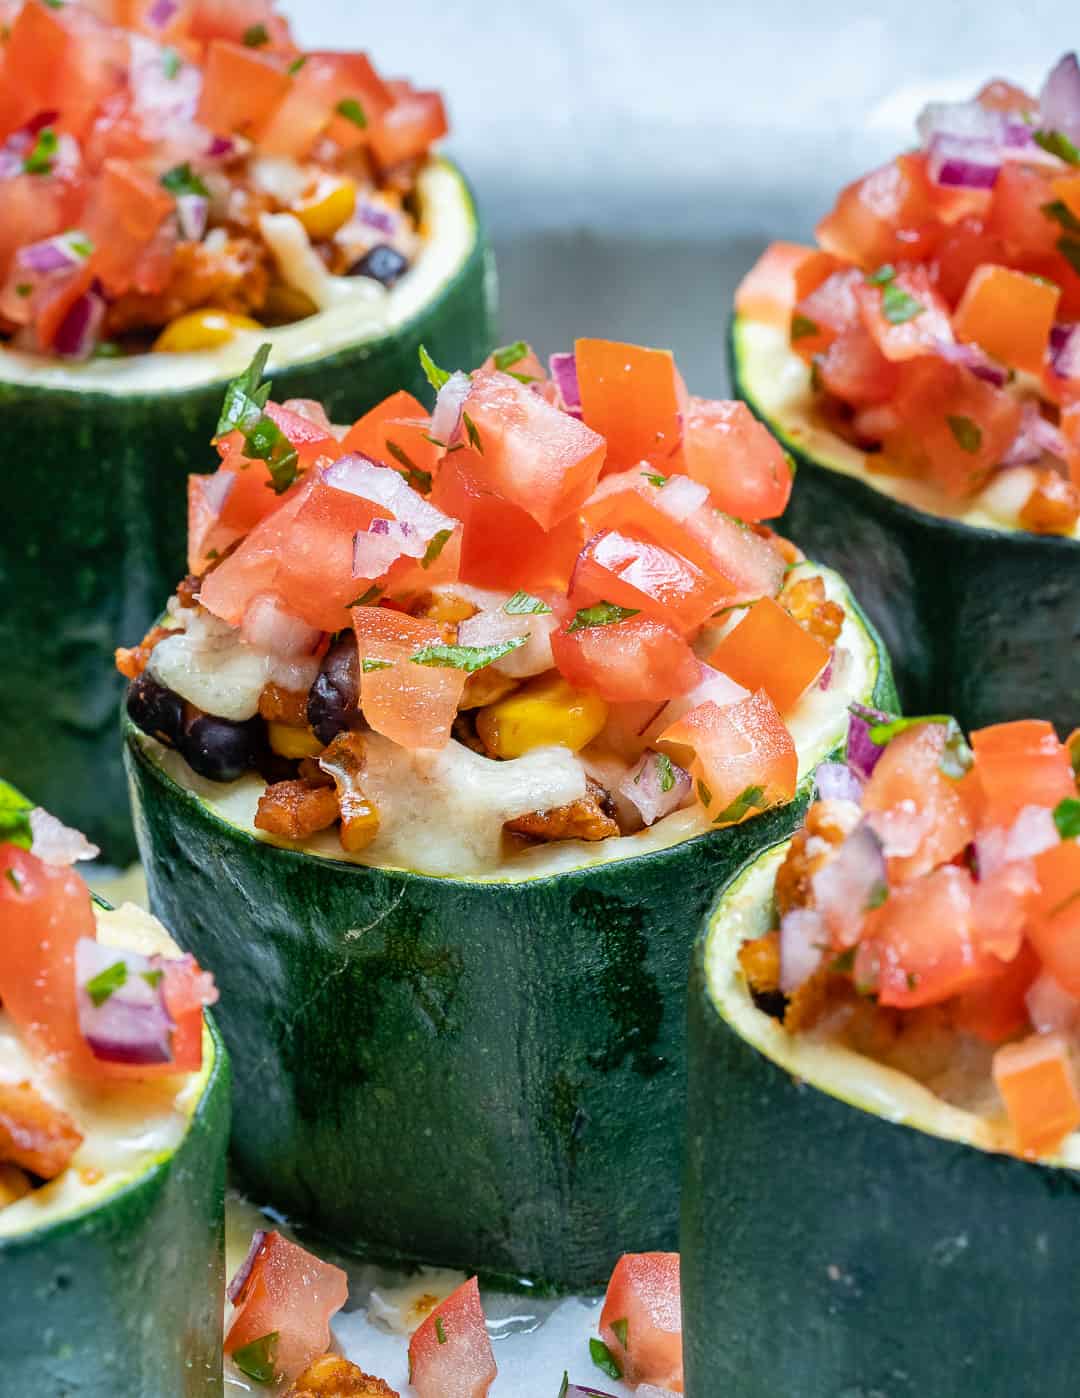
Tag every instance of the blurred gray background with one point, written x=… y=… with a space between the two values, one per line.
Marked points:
x=632 y=158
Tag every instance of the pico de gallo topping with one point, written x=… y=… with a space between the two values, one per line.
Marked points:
x=940 y=310
x=175 y=172
x=928 y=916
x=80 y=1010
x=493 y=605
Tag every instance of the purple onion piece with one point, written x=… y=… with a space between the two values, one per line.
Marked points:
x=192 y=212
x=221 y=147
x=837 y=782
x=1059 y=100
x=956 y=163
x=161 y=12
x=131 y=1024
x=78 y=333
x=644 y=787
x=563 y=370
x=372 y=216
x=1065 y=351
x=975 y=360
x=449 y=405
x=861 y=753
x=51 y=255
x=853 y=881
x=236 y=1287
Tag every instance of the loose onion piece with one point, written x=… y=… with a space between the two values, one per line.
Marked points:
x=851 y=883
x=563 y=370
x=974 y=359
x=192 y=212
x=56 y=843
x=862 y=753
x=836 y=781
x=239 y=1281
x=446 y=417
x=80 y=328
x=1065 y=351
x=1059 y=101
x=358 y=475
x=644 y=786
x=129 y=1023
x=803 y=939
x=1050 y=1008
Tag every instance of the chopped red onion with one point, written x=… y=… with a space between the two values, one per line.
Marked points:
x=901 y=829
x=861 y=753
x=235 y=1289
x=378 y=548
x=78 y=333
x=55 y=843
x=161 y=12
x=217 y=489
x=680 y=497
x=1059 y=100
x=492 y=625
x=51 y=255
x=850 y=883
x=192 y=212
x=1065 y=351
x=803 y=940
x=961 y=121
x=1050 y=1007
x=1047 y=437
x=563 y=371
x=374 y=216
x=131 y=1024
x=956 y=163
x=1031 y=833
x=446 y=418
x=837 y=782
x=268 y=626
x=974 y=359
x=575 y=1390
x=713 y=686
x=1001 y=906
x=359 y=475
x=643 y=786
x=222 y=147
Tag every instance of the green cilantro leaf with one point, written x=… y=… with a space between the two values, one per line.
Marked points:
x=153 y=978
x=603 y=1358
x=704 y=793
x=23 y=289
x=802 y=327
x=436 y=377
x=14 y=817
x=472 y=434
x=14 y=880
x=746 y=801
x=525 y=604
x=1057 y=143
x=843 y=964
x=654 y=478
x=369 y=664
x=883 y=733
x=418 y=479
x=878 y=895
x=79 y=243
x=897 y=306
x=883 y=276
x=1074 y=755
x=352 y=111
x=182 y=179
x=666 y=771
x=509 y=355
x=369 y=598
x=602 y=614
x=258 y=1359
x=39 y=160
x=565 y=1384
x=101 y=902
x=244 y=398
x=621 y=1330
x=265 y=441
x=468 y=658
x=440 y=1330
x=438 y=543
x=968 y=434
x=171 y=63
x=1059 y=212
x=106 y=983
x=256 y=36
x=956 y=757
x=1070 y=251
x=1067 y=818
x=295 y=66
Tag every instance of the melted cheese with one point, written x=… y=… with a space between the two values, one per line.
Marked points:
x=127 y=1126
x=780 y=384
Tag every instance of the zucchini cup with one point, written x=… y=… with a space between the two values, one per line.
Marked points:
x=922 y=366
x=438 y=777
x=113 y=1133
x=173 y=199
x=882 y=1149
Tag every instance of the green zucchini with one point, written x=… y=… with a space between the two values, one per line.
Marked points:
x=486 y=1073
x=97 y=478
x=117 y=1287
x=981 y=620
x=842 y=1234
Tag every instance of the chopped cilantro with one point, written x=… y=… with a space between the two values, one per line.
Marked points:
x=1074 y=755
x=885 y=732
x=182 y=179
x=565 y=1384
x=80 y=244
x=1067 y=818
x=883 y=276
x=101 y=902
x=603 y=1358
x=704 y=794
x=242 y=410
x=109 y=349
x=39 y=160
x=1057 y=143
x=968 y=434
x=266 y=442
x=878 y=895
x=171 y=63
x=369 y=664
x=244 y=398
x=352 y=111
x=438 y=543
x=436 y=377
x=23 y=289
x=621 y=1330
x=746 y=801
x=472 y=434
x=956 y=756
x=370 y=597
x=14 y=817
x=440 y=1330
x=55 y=4
x=843 y=964
x=912 y=980
x=295 y=66
x=256 y=36
x=258 y=1359
x=468 y=658
x=153 y=978
x=802 y=327
x=509 y=355
x=897 y=306
x=654 y=478
x=666 y=771
x=1059 y=212
x=418 y=479
x=602 y=614
x=1070 y=251
x=106 y=983
x=14 y=880
x=525 y=604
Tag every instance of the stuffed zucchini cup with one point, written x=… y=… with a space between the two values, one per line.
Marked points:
x=437 y=763
x=174 y=194
x=922 y=364
x=114 y=1113
x=883 y=1143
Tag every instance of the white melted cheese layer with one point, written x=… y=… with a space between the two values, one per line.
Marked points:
x=442 y=812
x=355 y=310
x=127 y=1126
x=780 y=384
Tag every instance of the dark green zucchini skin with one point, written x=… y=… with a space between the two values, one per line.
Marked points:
x=980 y=624
x=95 y=538
x=489 y=1076
x=127 y=1298
x=827 y=1253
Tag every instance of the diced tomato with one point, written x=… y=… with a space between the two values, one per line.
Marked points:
x=503 y=546
x=827 y=312
x=56 y=299
x=743 y=465
x=207 y=537
x=768 y=292
x=1055 y=928
x=887 y=216
x=744 y=758
x=527 y=367
x=252 y=567
x=1021 y=764
x=309 y=106
x=185 y=988
x=410 y=126
x=1010 y=315
x=1001 y=96
x=529 y=452
x=358 y=85
x=1016 y=215
x=242 y=88
x=315 y=564
x=409 y=703
x=965 y=247
x=126 y=211
x=36 y=207
x=907 y=317
x=396 y=432
x=854 y=370
x=227 y=19
x=35 y=65
x=1002 y=908
x=635 y=398
x=292 y=1294
x=636 y=659
x=311 y=439
x=450 y=1354
x=996 y=1010
x=613 y=567
x=769 y=650
x=1036 y=1082
x=909 y=770
x=641 y=1322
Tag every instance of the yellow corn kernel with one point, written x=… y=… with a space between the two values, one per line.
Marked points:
x=328 y=208
x=545 y=712
x=202 y=330
x=14 y=1185
x=486 y=687
x=289 y=741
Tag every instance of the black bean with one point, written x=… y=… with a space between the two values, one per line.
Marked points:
x=334 y=699
x=155 y=709
x=382 y=262
x=219 y=749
